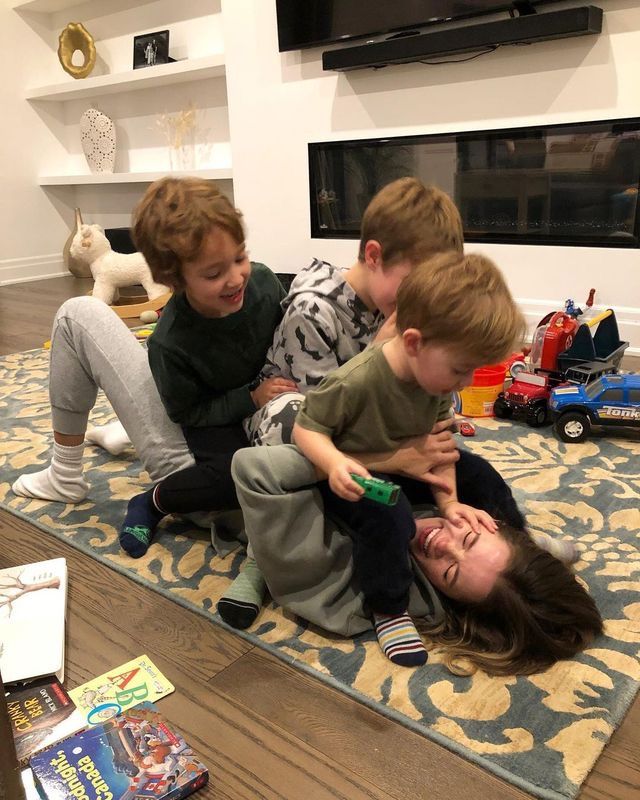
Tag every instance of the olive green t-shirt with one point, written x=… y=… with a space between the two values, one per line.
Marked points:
x=365 y=408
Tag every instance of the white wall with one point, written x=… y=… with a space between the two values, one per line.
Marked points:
x=30 y=229
x=279 y=102
x=42 y=138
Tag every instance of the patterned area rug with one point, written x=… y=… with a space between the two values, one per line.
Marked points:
x=543 y=732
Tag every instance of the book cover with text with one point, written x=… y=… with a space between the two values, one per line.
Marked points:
x=40 y=715
x=120 y=688
x=136 y=755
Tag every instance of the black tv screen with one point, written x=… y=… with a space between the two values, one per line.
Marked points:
x=570 y=184
x=308 y=23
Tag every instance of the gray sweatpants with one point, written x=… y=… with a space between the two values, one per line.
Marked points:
x=91 y=349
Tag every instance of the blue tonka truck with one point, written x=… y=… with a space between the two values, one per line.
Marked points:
x=612 y=401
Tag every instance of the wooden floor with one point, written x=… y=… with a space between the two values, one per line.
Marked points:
x=264 y=729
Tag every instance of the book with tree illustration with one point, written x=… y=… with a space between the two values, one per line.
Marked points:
x=41 y=714
x=33 y=601
x=135 y=755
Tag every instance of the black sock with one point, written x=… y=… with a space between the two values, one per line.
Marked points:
x=242 y=601
x=140 y=524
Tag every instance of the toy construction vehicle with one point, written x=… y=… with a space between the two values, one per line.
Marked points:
x=564 y=350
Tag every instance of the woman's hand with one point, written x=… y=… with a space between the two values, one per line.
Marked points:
x=340 y=480
x=270 y=388
x=460 y=513
x=417 y=457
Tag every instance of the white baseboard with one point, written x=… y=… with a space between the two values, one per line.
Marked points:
x=628 y=319
x=35 y=268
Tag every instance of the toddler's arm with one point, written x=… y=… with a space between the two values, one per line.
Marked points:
x=328 y=460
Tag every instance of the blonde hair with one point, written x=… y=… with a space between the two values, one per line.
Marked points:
x=536 y=614
x=411 y=221
x=463 y=301
x=172 y=220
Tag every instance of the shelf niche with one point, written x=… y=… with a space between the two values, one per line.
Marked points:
x=147 y=78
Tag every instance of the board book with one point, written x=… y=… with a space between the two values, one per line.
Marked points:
x=136 y=755
x=33 y=601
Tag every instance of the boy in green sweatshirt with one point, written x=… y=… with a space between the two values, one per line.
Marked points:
x=209 y=345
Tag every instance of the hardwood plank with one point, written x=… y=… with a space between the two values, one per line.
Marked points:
x=27 y=310
x=616 y=775
x=252 y=757
x=399 y=761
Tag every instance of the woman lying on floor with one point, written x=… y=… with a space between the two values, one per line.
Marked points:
x=513 y=608
x=310 y=576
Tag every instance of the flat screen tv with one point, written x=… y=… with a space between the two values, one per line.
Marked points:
x=308 y=23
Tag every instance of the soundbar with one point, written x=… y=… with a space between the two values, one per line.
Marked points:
x=581 y=21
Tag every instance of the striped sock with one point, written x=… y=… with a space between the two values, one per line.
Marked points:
x=140 y=524
x=399 y=639
x=242 y=602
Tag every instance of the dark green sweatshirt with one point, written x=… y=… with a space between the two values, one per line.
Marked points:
x=203 y=367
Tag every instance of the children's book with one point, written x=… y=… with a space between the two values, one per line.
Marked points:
x=135 y=755
x=33 y=601
x=40 y=715
x=120 y=689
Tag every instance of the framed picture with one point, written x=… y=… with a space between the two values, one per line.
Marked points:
x=150 y=49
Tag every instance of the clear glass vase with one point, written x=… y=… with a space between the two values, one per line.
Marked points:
x=182 y=158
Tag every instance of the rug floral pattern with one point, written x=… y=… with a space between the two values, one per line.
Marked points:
x=542 y=732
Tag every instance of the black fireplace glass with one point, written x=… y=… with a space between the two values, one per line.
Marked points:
x=570 y=184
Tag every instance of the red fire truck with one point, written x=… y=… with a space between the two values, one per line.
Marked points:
x=563 y=350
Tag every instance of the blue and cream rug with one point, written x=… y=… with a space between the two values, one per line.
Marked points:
x=543 y=732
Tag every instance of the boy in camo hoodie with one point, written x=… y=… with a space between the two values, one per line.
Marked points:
x=332 y=314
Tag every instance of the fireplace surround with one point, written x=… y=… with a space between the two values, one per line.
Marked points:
x=569 y=184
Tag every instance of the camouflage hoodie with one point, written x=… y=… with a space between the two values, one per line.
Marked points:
x=324 y=325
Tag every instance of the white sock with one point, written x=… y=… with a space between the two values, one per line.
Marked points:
x=62 y=480
x=111 y=437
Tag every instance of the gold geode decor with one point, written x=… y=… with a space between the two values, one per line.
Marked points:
x=76 y=37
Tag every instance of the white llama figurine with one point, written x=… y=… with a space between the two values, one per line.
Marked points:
x=110 y=270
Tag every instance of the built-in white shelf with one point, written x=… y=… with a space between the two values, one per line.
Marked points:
x=50 y=6
x=220 y=174
x=191 y=69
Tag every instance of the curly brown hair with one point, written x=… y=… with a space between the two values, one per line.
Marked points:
x=537 y=613
x=172 y=220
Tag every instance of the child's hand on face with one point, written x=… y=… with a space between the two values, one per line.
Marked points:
x=270 y=388
x=462 y=514
x=340 y=479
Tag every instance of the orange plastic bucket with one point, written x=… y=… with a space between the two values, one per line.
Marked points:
x=477 y=400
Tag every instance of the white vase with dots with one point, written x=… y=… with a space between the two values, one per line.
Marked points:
x=98 y=137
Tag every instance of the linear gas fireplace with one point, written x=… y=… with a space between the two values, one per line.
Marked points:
x=552 y=184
